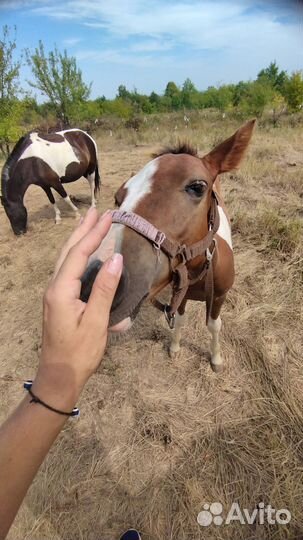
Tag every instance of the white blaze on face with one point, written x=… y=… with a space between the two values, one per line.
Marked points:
x=137 y=187
x=224 y=227
x=57 y=155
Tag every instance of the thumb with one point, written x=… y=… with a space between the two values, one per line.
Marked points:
x=103 y=292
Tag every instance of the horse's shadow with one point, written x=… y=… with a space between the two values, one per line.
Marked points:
x=46 y=212
x=85 y=452
x=163 y=335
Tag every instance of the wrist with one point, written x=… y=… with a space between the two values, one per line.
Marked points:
x=56 y=387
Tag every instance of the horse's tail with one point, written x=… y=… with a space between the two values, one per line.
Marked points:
x=97 y=179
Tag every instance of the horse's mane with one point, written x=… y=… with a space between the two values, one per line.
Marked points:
x=182 y=147
x=6 y=167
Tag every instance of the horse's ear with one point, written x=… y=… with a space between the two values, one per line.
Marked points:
x=227 y=155
x=120 y=194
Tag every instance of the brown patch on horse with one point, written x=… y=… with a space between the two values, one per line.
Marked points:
x=51 y=137
x=182 y=147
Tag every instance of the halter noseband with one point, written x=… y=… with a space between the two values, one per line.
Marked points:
x=179 y=255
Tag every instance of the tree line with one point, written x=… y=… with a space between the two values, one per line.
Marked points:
x=67 y=96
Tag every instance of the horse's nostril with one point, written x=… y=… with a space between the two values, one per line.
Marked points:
x=89 y=277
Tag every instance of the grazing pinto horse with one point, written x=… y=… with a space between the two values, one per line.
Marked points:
x=47 y=160
x=172 y=228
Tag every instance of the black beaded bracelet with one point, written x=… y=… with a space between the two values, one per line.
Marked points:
x=35 y=399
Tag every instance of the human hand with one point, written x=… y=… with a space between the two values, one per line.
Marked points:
x=75 y=333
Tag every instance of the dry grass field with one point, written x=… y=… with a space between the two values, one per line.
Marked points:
x=159 y=438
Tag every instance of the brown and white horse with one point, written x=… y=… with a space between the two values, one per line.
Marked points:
x=173 y=217
x=47 y=160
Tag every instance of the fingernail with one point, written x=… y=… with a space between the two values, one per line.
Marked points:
x=104 y=215
x=81 y=220
x=115 y=264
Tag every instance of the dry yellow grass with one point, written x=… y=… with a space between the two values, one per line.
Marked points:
x=159 y=438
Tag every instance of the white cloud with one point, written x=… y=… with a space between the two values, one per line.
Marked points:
x=17 y=4
x=208 y=25
x=117 y=56
x=71 y=42
x=151 y=45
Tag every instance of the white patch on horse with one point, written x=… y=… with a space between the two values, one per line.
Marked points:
x=214 y=327
x=57 y=213
x=176 y=337
x=138 y=186
x=224 y=227
x=57 y=155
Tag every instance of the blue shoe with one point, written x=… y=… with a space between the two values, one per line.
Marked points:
x=131 y=534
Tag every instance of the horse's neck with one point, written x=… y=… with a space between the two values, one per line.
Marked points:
x=16 y=187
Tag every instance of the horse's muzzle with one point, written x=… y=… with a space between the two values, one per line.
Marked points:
x=89 y=276
x=19 y=232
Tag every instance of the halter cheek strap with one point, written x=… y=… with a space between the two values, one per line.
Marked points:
x=179 y=255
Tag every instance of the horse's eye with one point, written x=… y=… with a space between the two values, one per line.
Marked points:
x=196 y=189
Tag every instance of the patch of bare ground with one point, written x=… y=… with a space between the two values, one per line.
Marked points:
x=159 y=438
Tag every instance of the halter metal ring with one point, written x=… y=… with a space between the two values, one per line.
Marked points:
x=170 y=317
x=210 y=254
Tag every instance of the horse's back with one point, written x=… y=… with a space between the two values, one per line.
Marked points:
x=52 y=149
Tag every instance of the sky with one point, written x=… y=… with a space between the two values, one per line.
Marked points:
x=143 y=44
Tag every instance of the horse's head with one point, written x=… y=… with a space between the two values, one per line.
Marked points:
x=172 y=192
x=17 y=215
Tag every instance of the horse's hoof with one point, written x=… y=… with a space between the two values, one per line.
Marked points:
x=217 y=368
x=174 y=354
x=77 y=216
x=58 y=221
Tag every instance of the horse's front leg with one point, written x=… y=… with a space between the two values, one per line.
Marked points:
x=176 y=337
x=214 y=326
x=51 y=199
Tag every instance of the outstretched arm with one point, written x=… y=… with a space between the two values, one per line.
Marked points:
x=73 y=342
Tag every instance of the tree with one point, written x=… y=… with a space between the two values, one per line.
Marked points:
x=58 y=77
x=9 y=69
x=241 y=90
x=272 y=76
x=224 y=97
x=188 y=86
x=278 y=104
x=293 y=91
x=257 y=97
x=155 y=100
x=10 y=108
x=189 y=93
x=172 y=97
x=123 y=93
x=171 y=89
